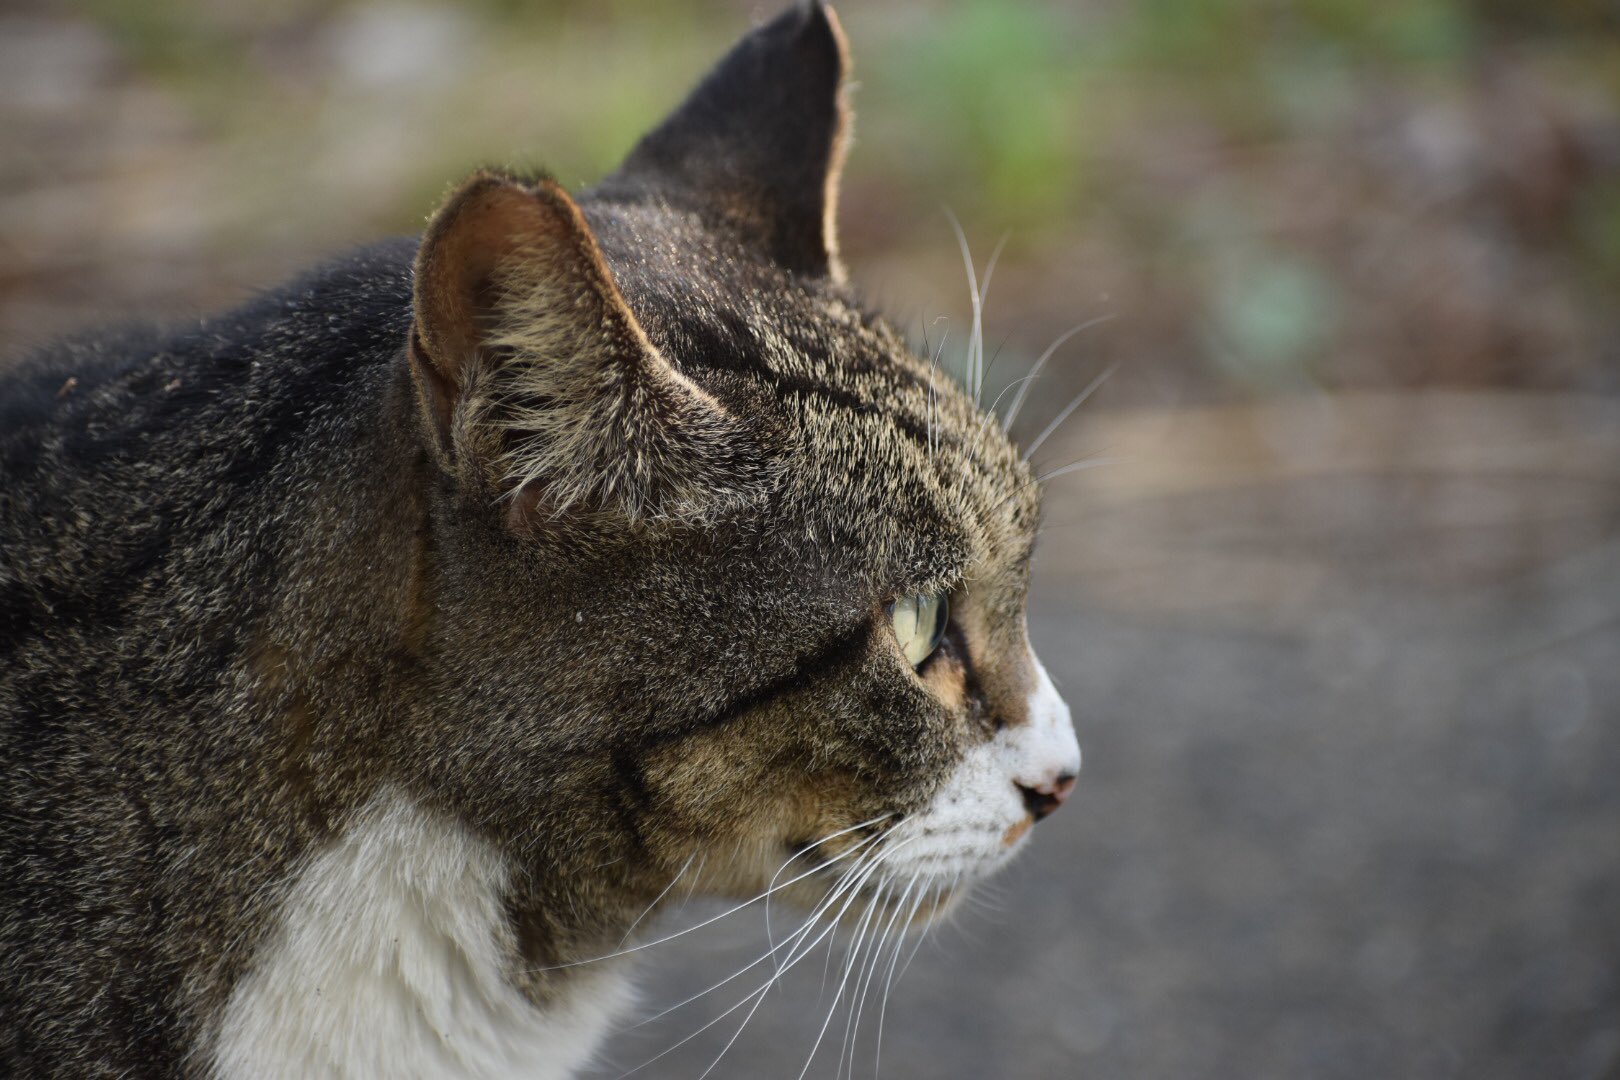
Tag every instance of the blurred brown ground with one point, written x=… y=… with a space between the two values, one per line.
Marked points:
x=1340 y=624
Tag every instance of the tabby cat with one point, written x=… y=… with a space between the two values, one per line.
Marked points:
x=377 y=654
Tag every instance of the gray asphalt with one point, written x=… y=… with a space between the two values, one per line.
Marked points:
x=1349 y=808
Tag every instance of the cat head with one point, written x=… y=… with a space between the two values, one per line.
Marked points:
x=733 y=581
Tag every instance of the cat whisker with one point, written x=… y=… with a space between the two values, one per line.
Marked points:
x=990 y=897
x=1040 y=362
x=759 y=999
x=990 y=267
x=928 y=409
x=691 y=886
x=855 y=962
x=927 y=927
x=771 y=885
x=786 y=943
x=933 y=373
x=888 y=980
x=984 y=291
x=974 y=376
x=851 y=894
x=874 y=959
x=1001 y=347
x=826 y=970
x=716 y=918
x=990 y=413
x=973 y=297
x=858 y=963
x=757 y=995
x=839 y=993
x=1068 y=410
x=850 y=888
x=1087 y=462
x=761 y=993
x=873 y=864
x=657 y=899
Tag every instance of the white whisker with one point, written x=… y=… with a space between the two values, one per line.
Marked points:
x=872 y=859
x=860 y=935
x=1077 y=466
x=1074 y=403
x=852 y=1016
x=771 y=885
x=933 y=373
x=871 y=970
x=972 y=374
x=984 y=291
x=785 y=943
x=761 y=996
x=1040 y=362
x=648 y=909
x=929 y=407
x=713 y=919
x=888 y=979
x=930 y=924
x=853 y=892
x=990 y=413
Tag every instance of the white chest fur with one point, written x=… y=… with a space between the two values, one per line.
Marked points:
x=390 y=961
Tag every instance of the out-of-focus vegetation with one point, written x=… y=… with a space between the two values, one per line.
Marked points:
x=1267 y=195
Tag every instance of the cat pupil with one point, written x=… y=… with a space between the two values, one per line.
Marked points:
x=919 y=624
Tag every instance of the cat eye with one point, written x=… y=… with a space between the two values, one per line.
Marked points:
x=919 y=623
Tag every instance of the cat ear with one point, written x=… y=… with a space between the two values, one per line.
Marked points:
x=757 y=147
x=538 y=382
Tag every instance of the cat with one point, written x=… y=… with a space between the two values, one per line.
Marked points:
x=377 y=655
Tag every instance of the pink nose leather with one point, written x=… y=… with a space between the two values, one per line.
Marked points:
x=1046 y=798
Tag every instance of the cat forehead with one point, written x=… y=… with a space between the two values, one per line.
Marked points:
x=883 y=450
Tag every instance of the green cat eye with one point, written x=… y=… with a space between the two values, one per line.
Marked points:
x=919 y=623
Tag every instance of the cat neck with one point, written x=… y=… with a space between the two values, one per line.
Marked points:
x=392 y=955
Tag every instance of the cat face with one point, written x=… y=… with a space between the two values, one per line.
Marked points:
x=754 y=571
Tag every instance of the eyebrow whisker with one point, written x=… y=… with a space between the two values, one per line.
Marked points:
x=1074 y=403
x=1035 y=368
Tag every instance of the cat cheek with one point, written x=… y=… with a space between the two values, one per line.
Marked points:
x=947 y=680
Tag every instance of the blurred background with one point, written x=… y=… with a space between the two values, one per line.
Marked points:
x=1340 y=618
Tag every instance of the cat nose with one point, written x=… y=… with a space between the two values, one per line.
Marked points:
x=1045 y=798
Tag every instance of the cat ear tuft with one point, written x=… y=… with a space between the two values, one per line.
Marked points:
x=536 y=380
x=757 y=147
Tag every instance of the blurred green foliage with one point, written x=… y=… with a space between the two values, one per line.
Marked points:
x=996 y=92
x=1172 y=135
